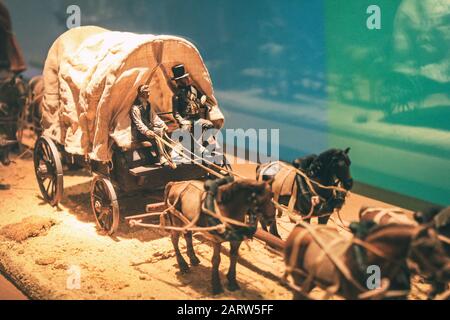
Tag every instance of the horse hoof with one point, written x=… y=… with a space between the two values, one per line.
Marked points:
x=184 y=268
x=217 y=290
x=233 y=286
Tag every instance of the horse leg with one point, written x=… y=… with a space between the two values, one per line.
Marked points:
x=263 y=225
x=305 y=288
x=324 y=219
x=215 y=279
x=231 y=276
x=190 y=249
x=437 y=287
x=299 y=296
x=274 y=229
x=182 y=264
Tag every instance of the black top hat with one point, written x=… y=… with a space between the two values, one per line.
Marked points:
x=179 y=72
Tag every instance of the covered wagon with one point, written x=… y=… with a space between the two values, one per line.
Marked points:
x=91 y=77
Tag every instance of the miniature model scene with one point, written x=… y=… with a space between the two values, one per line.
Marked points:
x=126 y=174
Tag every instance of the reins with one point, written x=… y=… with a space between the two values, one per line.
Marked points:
x=172 y=144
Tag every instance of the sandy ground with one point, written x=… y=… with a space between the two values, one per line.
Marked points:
x=64 y=247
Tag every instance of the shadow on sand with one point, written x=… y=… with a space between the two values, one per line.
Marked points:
x=77 y=200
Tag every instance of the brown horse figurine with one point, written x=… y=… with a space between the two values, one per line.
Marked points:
x=331 y=168
x=319 y=255
x=428 y=255
x=238 y=204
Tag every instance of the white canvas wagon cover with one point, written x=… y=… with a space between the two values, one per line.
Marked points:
x=91 y=78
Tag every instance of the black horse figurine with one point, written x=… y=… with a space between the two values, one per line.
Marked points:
x=5 y=146
x=330 y=168
x=13 y=95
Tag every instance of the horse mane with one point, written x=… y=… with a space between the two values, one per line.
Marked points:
x=230 y=190
x=326 y=156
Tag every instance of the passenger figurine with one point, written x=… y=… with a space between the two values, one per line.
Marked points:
x=189 y=106
x=146 y=125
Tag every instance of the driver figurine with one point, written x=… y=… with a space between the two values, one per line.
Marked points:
x=189 y=104
x=146 y=124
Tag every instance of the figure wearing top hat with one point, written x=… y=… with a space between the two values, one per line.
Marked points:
x=188 y=103
x=146 y=125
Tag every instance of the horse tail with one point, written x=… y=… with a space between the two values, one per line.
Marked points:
x=166 y=192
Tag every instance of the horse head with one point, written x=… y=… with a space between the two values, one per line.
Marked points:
x=331 y=165
x=255 y=197
x=428 y=254
x=14 y=90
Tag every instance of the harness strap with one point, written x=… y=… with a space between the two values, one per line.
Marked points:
x=382 y=212
x=190 y=224
x=443 y=238
x=309 y=181
x=369 y=247
x=293 y=198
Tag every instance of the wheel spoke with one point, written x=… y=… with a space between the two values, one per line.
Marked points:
x=40 y=176
x=103 y=191
x=100 y=216
x=53 y=188
x=45 y=155
x=45 y=177
x=49 y=154
x=97 y=190
x=107 y=221
x=39 y=152
x=48 y=187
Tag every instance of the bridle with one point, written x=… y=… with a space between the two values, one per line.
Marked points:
x=415 y=252
x=318 y=166
x=254 y=213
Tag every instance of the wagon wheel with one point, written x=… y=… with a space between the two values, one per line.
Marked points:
x=105 y=205
x=48 y=169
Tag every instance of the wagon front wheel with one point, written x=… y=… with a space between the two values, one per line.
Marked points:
x=48 y=169
x=105 y=205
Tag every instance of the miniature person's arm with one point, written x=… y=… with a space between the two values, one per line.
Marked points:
x=176 y=112
x=137 y=120
x=158 y=124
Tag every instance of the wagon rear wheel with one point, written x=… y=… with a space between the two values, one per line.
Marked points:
x=48 y=169
x=105 y=205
